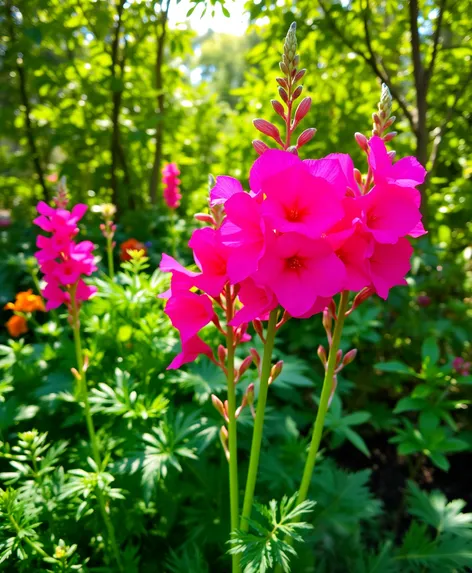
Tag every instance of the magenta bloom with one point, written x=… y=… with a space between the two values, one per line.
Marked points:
x=296 y=200
x=63 y=261
x=299 y=270
x=182 y=279
x=211 y=257
x=258 y=301
x=224 y=188
x=189 y=313
x=171 y=182
x=388 y=266
x=191 y=349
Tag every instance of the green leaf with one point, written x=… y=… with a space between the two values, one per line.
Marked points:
x=394 y=366
x=430 y=350
x=409 y=405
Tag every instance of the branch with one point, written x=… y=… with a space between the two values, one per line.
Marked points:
x=371 y=60
x=418 y=70
x=437 y=33
x=26 y=104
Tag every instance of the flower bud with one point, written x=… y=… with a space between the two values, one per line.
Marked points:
x=299 y=75
x=278 y=108
x=302 y=109
x=222 y=353
x=260 y=146
x=257 y=324
x=327 y=320
x=376 y=118
x=390 y=136
x=389 y=122
x=283 y=68
x=218 y=405
x=339 y=355
x=250 y=394
x=282 y=82
x=204 y=218
x=358 y=177
x=362 y=296
x=275 y=371
x=297 y=93
x=283 y=94
x=306 y=136
x=76 y=374
x=322 y=354
x=349 y=356
x=292 y=149
x=268 y=128
x=362 y=141
x=255 y=357
x=333 y=389
x=245 y=364
x=224 y=440
x=86 y=363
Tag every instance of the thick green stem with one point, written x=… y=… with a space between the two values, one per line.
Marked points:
x=111 y=268
x=259 y=421
x=83 y=392
x=232 y=428
x=34 y=546
x=324 y=400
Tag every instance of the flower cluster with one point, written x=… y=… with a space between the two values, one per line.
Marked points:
x=171 y=182
x=131 y=245
x=25 y=302
x=108 y=227
x=63 y=261
x=305 y=231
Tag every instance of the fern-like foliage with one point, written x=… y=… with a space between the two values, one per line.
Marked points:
x=186 y=560
x=266 y=543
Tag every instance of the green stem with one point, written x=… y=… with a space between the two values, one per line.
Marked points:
x=324 y=400
x=259 y=421
x=91 y=428
x=111 y=268
x=34 y=546
x=232 y=428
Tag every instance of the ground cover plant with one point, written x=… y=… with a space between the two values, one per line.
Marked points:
x=265 y=366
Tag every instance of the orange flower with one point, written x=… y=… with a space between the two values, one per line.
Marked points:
x=131 y=245
x=16 y=325
x=26 y=301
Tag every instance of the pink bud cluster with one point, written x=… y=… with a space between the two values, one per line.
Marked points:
x=63 y=261
x=306 y=231
x=171 y=182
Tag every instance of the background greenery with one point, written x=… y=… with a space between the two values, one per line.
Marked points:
x=105 y=93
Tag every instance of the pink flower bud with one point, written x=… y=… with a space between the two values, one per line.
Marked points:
x=333 y=389
x=358 y=176
x=292 y=149
x=250 y=394
x=204 y=218
x=322 y=354
x=297 y=93
x=389 y=122
x=224 y=440
x=362 y=141
x=278 y=108
x=299 y=75
x=260 y=146
x=257 y=324
x=362 y=296
x=349 y=356
x=339 y=355
x=76 y=374
x=283 y=68
x=376 y=118
x=390 y=136
x=327 y=320
x=302 y=109
x=283 y=94
x=306 y=136
x=218 y=405
x=255 y=357
x=268 y=128
x=282 y=82
x=222 y=353
x=245 y=364
x=275 y=371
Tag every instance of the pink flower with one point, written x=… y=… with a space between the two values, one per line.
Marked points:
x=171 y=182
x=191 y=349
x=337 y=169
x=258 y=301
x=189 y=313
x=211 y=257
x=407 y=172
x=388 y=266
x=224 y=188
x=244 y=232
x=182 y=279
x=354 y=253
x=296 y=200
x=461 y=366
x=299 y=270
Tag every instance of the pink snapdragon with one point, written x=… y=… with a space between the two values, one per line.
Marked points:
x=171 y=182
x=63 y=262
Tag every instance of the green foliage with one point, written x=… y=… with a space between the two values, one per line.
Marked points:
x=266 y=544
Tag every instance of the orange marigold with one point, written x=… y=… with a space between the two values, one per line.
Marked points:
x=131 y=245
x=26 y=301
x=16 y=325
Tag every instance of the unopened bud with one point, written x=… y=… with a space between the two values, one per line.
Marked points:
x=362 y=141
x=299 y=75
x=283 y=68
x=258 y=328
x=362 y=296
x=327 y=320
x=250 y=394
x=297 y=93
x=241 y=407
x=204 y=218
x=389 y=122
x=224 y=440
x=332 y=308
x=283 y=94
x=292 y=149
x=86 y=363
x=245 y=364
x=322 y=354
x=306 y=136
x=282 y=82
x=390 y=136
x=76 y=374
x=358 y=176
x=302 y=109
x=260 y=146
x=255 y=357
x=222 y=353
x=349 y=356
x=275 y=371
x=339 y=355
x=385 y=104
x=333 y=389
x=218 y=405
x=278 y=108
x=376 y=118
x=268 y=128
